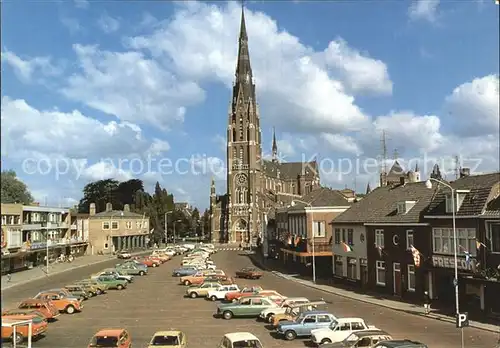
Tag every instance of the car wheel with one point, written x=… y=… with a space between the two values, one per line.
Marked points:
x=290 y=335
x=18 y=338
x=269 y=317
x=234 y=300
x=326 y=341
x=98 y=292
x=227 y=315
x=213 y=298
x=193 y=295
x=141 y=273
x=70 y=309
x=119 y=287
x=187 y=282
x=177 y=274
x=154 y=264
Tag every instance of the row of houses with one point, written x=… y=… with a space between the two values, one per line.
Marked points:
x=399 y=239
x=30 y=231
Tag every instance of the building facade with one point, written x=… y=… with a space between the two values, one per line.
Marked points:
x=253 y=183
x=114 y=230
x=477 y=211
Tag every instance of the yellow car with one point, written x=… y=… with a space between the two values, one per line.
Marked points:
x=202 y=290
x=168 y=339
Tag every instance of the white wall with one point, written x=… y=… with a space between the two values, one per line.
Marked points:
x=359 y=249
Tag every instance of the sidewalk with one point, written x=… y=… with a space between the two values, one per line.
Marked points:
x=39 y=272
x=379 y=301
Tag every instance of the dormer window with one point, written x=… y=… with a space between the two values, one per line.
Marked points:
x=459 y=199
x=405 y=207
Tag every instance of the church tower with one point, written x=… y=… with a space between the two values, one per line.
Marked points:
x=244 y=151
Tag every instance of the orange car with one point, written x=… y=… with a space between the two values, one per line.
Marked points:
x=33 y=312
x=222 y=279
x=63 y=303
x=111 y=338
x=47 y=308
x=234 y=295
x=199 y=277
x=38 y=327
x=156 y=258
x=149 y=262
x=273 y=295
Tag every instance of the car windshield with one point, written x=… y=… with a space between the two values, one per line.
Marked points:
x=333 y=325
x=104 y=341
x=37 y=320
x=247 y=344
x=165 y=341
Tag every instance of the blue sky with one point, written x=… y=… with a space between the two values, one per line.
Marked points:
x=93 y=90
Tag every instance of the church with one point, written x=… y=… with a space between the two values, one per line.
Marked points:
x=255 y=186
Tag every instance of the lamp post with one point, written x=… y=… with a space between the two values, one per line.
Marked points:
x=248 y=228
x=428 y=184
x=312 y=244
x=174 y=227
x=166 y=226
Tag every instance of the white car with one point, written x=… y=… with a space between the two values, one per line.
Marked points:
x=188 y=246
x=239 y=339
x=169 y=252
x=220 y=293
x=339 y=330
x=268 y=313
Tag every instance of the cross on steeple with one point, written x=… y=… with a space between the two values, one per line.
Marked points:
x=275 y=147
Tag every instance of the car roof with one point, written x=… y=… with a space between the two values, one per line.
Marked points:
x=240 y=336
x=403 y=344
x=296 y=299
x=109 y=332
x=167 y=333
x=349 y=319
x=317 y=312
x=365 y=333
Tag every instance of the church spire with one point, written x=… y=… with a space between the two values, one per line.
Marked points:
x=275 y=147
x=243 y=68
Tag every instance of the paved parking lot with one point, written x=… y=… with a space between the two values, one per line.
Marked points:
x=155 y=302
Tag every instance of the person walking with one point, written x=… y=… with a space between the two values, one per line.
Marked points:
x=427 y=302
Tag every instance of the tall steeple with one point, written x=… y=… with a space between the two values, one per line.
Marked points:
x=275 y=147
x=244 y=75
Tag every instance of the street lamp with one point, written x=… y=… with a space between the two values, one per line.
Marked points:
x=293 y=203
x=166 y=226
x=428 y=184
x=174 y=227
x=248 y=228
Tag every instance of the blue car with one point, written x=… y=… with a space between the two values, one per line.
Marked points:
x=184 y=271
x=304 y=324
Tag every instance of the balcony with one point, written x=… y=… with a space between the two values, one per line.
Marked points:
x=32 y=226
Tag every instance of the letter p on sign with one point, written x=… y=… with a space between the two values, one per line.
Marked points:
x=462 y=320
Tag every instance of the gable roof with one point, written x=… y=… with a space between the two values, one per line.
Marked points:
x=290 y=170
x=483 y=188
x=117 y=214
x=380 y=206
x=323 y=197
x=396 y=171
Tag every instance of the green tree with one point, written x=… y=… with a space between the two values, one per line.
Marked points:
x=126 y=190
x=100 y=192
x=13 y=189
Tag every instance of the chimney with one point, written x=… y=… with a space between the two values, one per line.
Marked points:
x=92 y=209
x=109 y=207
x=464 y=172
x=402 y=180
x=126 y=207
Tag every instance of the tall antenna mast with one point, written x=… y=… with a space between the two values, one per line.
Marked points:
x=396 y=154
x=457 y=167
x=384 y=153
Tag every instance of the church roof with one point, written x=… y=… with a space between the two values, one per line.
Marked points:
x=323 y=197
x=290 y=170
x=396 y=171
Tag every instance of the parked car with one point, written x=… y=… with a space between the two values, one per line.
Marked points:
x=88 y=288
x=292 y=312
x=250 y=306
x=274 y=295
x=184 y=271
x=156 y=258
x=63 y=303
x=124 y=254
x=223 y=280
x=249 y=273
x=149 y=262
x=267 y=314
x=221 y=291
x=240 y=339
x=200 y=276
x=366 y=339
x=250 y=290
x=78 y=291
x=100 y=288
x=47 y=308
x=113 y=272
x=339 y=330
x=202 y=290
x=38 y=327
x=168 y=339
x=132 y=269
x=33 y=312
x=304 y=324
x=136 y=263
x=112 y=282
x=111 y=338
x=400 y=344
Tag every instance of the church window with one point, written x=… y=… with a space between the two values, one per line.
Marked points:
x=233 y=118
x=241 y=132
x=248 y=135
x=234 y=134
x=235 y=154
x=241 y=155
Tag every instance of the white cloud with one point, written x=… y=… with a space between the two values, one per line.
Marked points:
x=211 y=166
x=130 y=87
x=473 y=107
x=158 y=147
x=108 y=24
x=342 y=143
x=285 y=147
x=72 y=24
x=105 y=170
x=82 y=4
x=220 y=141
x=30 y=68
x=424 y=10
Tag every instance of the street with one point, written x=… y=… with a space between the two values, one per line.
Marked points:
x=155 y=302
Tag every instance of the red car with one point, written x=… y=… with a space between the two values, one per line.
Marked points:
x=156 y=259
x=149 y=262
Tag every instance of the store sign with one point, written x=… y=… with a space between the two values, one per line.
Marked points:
x=449 y=262
x=36 y=246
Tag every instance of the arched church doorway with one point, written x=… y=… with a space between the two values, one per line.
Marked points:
x=240 y=229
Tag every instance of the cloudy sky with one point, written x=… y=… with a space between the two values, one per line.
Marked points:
x=93 y=90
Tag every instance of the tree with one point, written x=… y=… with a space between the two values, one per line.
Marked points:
x=13 y=189
x=126 y=191
x=99 y=192
x=205 y=223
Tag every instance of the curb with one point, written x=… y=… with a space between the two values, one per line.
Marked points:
x=444 y=319
x=61 y=272
x=230 y=249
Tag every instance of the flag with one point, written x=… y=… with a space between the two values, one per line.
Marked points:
x=296 y=241
x=416 y=255
x=479 y=244
x=289 y=242
x=379 y=249
x=467 y=257
x=347 y=248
